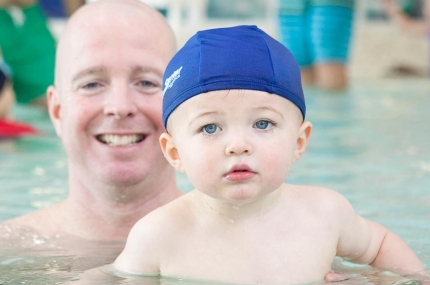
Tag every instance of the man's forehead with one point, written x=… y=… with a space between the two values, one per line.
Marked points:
x=94 y=54
x=117 y=36
x=111 y=40
x=112 y=18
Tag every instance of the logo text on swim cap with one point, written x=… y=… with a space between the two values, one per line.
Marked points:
x=172 y=78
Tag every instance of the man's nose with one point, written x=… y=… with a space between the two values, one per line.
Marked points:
x=239 y=143
x=120 y=102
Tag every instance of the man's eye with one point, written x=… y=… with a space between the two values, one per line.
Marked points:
x=91 y=85
x=263 y=124
x=145 y=83
x=210 y=128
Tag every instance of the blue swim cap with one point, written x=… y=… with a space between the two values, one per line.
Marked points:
x=242 y=57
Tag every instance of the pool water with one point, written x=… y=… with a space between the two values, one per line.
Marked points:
x=370 y=143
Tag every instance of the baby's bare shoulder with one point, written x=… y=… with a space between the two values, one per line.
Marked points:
x=168 y=219
x=317 y=198
x=154 y=236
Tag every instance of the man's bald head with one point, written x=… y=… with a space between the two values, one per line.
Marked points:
x=113 y=19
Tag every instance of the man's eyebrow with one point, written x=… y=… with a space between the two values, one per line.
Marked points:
x=142 y=69
x=264 y=108
x=88 y=71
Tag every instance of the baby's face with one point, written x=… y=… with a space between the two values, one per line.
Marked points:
x=236 y=145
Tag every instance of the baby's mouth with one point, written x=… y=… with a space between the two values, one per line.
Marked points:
x=120 y=140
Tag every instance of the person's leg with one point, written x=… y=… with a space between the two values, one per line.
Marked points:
x=7 y=96
x=330 y=30
x=331 y=75
x=7 y=100
x=294 y=34
x=308 y=75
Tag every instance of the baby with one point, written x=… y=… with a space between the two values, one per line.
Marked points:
x=234 y=112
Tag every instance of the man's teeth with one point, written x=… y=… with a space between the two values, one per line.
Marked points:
x=124 y=140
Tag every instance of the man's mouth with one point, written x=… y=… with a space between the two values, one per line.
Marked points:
x=120 y=140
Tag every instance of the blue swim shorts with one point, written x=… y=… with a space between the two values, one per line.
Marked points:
x=316 y=31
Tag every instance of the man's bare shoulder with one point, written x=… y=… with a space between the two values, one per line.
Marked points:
x=41 y=221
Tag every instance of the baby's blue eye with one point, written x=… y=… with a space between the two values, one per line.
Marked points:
x=263 y=124
x=210 y=129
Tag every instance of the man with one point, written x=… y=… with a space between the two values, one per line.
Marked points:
x=106 y=108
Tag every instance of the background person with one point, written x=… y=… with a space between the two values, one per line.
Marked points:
x=28 y=47
x=419 y=26
x=10 y=128
x=7 y=96
x=405 y=21
x=318 y=33
x=60 y=8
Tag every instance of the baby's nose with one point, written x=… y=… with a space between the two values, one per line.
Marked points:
x=238 y=145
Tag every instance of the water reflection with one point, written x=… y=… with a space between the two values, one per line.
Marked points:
x=26 y=257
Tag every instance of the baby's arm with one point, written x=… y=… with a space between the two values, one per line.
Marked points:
x=395 y=254
x=142 y=250
x=363 y=241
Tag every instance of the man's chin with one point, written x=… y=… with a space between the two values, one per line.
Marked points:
x=122 y=180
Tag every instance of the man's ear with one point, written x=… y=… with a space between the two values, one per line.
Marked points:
x=302 y=139
x=170 y=151
x=54 y=108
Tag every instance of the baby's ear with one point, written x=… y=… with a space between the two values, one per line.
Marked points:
x=302 y=139
x=170 y=151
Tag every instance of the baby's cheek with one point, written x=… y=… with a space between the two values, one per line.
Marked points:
x=202 y=170
x=208 y=163
x=198 y=162
x=278 y=166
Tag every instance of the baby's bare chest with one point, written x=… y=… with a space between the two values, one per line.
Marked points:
x=273 y=253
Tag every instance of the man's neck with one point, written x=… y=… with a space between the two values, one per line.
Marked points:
x=107 y=213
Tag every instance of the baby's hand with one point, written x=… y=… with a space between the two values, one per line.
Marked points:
x=335 y=277
x=345 y=279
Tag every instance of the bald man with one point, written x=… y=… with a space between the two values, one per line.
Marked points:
x=106 y=108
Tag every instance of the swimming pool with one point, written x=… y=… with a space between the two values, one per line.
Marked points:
x=371 y=143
